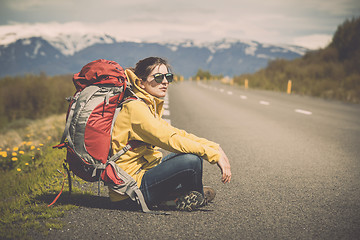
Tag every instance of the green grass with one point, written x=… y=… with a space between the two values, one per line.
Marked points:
x=30 y=180
x=21 y=207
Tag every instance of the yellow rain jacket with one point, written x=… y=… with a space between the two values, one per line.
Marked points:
x=141 y=120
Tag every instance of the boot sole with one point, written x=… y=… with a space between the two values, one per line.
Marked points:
x=190 y=202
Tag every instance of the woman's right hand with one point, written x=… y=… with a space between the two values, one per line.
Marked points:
x=224 y=166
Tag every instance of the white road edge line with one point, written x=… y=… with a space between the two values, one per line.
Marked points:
x=166 y=112
x=243 y=97
x=264 y=103
x=303 y=111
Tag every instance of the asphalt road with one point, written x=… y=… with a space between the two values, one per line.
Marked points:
x=295 y=164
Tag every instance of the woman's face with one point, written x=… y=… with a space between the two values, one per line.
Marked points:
x=154 y=88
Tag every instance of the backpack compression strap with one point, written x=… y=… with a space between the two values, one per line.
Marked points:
x=129 y=186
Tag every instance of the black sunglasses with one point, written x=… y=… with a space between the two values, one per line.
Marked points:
x=159 y=77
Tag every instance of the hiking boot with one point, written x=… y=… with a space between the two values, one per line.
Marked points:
x=190 y=201
x=209 y=193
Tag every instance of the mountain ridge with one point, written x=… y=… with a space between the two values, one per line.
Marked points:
x=67 y=53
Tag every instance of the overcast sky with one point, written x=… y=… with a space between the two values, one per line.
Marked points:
x=309 y=23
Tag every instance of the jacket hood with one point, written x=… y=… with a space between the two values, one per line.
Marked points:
x=149 y=99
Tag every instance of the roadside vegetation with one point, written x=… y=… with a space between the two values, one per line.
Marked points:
x=31 y=181
x=29 y=97
x=331 y=73
x=206 y=75
x=28 y=174
x=30 y=125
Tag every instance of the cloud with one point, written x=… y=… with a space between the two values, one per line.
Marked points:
x=272 y=21
x=147 y=31
x=29 y=5
x=314 y=41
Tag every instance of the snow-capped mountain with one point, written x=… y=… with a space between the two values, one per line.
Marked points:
x=67 y=53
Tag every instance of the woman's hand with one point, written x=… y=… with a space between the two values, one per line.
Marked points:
x=224 y=166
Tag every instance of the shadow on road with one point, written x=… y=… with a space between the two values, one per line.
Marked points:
x=100 y=202
x=88 y=201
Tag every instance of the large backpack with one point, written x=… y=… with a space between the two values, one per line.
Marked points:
x=100 y=90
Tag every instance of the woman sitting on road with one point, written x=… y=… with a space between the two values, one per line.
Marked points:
x=178 y=176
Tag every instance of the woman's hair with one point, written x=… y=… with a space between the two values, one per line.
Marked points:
x=144 y=67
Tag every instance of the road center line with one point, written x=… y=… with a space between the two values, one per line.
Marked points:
x=303 y=111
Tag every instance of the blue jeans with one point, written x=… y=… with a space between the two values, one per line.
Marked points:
x=175 y=175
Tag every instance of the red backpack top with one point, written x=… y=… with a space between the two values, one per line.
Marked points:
x=100 y=72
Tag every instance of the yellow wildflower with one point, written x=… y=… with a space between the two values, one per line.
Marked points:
x=41 y=144
x=15 y=149
x=29 y=143
x=22 y=152
x=19 y=169
x=3 y=154
x=38 y=149
x=32 y=147
x=14 y=154
x=14 y=159
x=27 y=164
